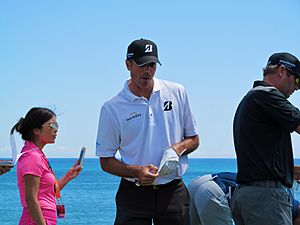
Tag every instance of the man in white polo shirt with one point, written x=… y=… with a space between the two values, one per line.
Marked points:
x=151 y=124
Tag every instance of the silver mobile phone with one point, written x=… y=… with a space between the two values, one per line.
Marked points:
x=81 y=156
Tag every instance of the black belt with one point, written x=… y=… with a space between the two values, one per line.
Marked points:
x=265 y=183
x=158 y=186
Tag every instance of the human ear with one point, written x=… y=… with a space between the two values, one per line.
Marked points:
x=281 y=71
x=128 y=64
x=36 y=131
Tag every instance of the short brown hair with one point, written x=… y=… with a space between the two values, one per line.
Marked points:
x=271 y=69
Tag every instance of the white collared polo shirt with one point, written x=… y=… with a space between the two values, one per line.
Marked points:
x=140 y=128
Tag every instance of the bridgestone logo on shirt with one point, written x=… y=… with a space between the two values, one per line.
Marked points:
x=167 y=105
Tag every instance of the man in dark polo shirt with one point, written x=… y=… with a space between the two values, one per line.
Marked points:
x=262 y=126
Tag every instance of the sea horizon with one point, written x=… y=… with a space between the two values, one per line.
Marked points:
x=90 y=198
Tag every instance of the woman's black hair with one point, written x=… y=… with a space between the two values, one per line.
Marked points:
x=35 y=118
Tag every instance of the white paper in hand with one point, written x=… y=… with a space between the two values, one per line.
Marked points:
x=169 y=163
x=13 y=148
x=15 y=155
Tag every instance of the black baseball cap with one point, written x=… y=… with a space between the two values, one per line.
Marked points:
x=142 y=51
x=287 y=60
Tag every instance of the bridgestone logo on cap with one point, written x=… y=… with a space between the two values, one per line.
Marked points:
x=148 y=48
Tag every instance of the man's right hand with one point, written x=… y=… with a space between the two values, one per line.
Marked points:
x=147 y=174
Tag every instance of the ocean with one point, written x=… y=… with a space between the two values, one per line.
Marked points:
x=90 y=198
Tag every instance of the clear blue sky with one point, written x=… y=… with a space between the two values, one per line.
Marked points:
x=69 y=56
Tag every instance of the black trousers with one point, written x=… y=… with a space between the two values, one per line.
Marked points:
x=166 y=204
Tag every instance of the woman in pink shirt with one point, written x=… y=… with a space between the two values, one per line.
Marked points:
x=36 y=180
